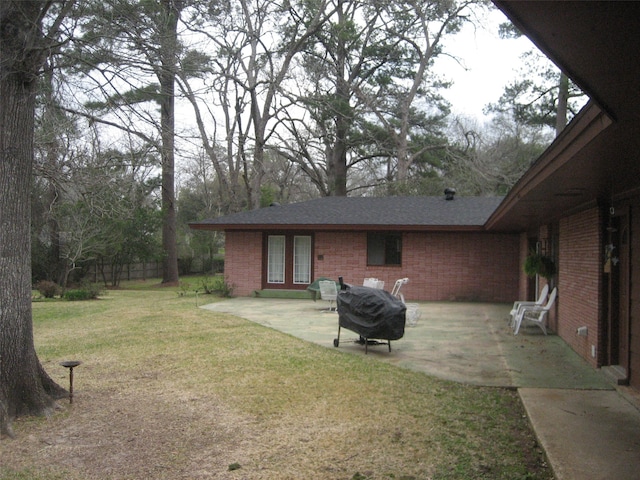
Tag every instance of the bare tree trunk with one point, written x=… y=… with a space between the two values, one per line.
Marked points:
x=225 y=178
x=171 y=12
x=25 y=388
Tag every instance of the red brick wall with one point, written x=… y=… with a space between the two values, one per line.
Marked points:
x=243 y=262
x=343 y=254
x=579 y=289
x=440 y=266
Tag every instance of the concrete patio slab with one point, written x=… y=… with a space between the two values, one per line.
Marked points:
x=464 y=342
x=587 y=428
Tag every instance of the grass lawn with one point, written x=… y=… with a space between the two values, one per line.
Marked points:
x=170 y=391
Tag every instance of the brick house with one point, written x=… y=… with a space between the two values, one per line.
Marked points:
x=440 y=244
x=579 y=203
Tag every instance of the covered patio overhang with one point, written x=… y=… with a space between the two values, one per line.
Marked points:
x=594 y=161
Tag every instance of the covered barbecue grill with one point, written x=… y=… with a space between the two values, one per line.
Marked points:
x=372 y=313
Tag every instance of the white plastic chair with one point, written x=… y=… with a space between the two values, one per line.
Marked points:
x=413 y=309
x=373 y=283
x=535 y=314
x=329 y=292
x=539 y=302
x=395 y=291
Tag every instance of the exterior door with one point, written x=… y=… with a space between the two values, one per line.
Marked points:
x=288 y=262
x=618 y=264
x=634 y=289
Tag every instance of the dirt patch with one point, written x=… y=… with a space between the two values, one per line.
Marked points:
x=111 y=435
x=169 y=435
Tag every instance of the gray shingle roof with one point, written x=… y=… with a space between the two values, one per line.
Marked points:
x=351 y=213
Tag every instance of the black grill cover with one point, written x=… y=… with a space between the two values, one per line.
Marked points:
x=371 y=313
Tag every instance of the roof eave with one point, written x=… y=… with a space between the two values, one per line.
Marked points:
x=336 y=228
x=588 y=124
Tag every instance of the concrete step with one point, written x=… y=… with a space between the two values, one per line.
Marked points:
x=277 y=293
x=616 y=374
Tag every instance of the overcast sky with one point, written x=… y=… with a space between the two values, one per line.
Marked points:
x=491 y=63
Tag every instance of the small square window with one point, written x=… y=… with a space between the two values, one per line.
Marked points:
x=384 y=249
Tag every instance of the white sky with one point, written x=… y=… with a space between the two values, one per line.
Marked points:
x=490 y=62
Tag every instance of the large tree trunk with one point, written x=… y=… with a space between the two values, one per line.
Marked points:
x=171 y=12
x=337 y=160
x=25 y=388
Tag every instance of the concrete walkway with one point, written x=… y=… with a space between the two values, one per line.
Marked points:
x=589 y=430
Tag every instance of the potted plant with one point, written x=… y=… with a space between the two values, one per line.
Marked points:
x=539 y=264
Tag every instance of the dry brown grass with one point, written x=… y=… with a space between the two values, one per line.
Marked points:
x=170 y=391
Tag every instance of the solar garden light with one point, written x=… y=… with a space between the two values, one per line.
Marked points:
x=70 y=364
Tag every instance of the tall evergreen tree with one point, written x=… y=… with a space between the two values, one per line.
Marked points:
x=542 y=95
x=130 y=51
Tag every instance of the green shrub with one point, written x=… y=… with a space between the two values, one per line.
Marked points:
x=226 y=290
x=184 y=288
x=217 y=285
x=76 y=294
x=88 y=291
x=209 y=285
x=48 y=289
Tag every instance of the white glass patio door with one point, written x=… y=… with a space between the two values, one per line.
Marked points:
x=276 y=254
x=288 y=262
x=302 y=259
